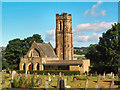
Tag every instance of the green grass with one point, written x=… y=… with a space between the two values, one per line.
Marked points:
x=92 y=82
x=79 y=57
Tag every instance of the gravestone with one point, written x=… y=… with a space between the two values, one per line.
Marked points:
x=86 y=84
x=49 y=79
x=96 y=73
x=62 y=85
x=14 y=73
x=117 y=76
x=113 y=76
x=74 y=79
x=26 y=73
x=10 y=86
x=48 y=74
x=67 y=78
x=96 y=87
x=104 y=76
x=60 y=74
x=53 y=76
x=58 y=82
x=91 y=74
x=65 y=82
x=46 y=85
x=3 y=82
x=112 y=84
x=98 y=79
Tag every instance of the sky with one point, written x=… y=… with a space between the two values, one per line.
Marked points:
x=89 y=20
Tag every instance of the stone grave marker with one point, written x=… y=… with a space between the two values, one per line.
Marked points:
x=49 y=79
x=96 y=87
x=86 y=84
x=113 y=76
x=117 y=76
x=112 y=84
x=60 y=74
x=74 y=79
x=26 y=73
x=65 y=82
x=14 y=73
x=98 y=79
x=58 y=82
x=46 y=85
x=67 y=78
x=62 y=85
x=3 y=82
x=104 y=76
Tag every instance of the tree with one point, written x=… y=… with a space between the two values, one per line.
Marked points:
x=18 y=48
x=108 y=46
x=93 y=54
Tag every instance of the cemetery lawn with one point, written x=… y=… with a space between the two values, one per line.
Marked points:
x=92 y=81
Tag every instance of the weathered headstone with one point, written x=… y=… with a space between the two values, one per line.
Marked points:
x=65 y=82
x=60 y=74
x=49 y=79
x=58 y=82
x=86 y=84
x=67 y=78
x=91 y=74
x=117 y=76
x=46 y=85
x=26 y=73
x=113 y=76
x=96 y=73
x=112 y=84
x=13 y=74
x=104 y=76
x=96 y=87
x=74 y=79
x=62 y=85
x=3 y=82
x=98 y=79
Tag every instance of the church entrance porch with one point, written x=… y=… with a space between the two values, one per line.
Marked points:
x=55 y=67
x=30 y=67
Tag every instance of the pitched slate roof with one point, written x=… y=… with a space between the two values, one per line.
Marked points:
x=47 y=49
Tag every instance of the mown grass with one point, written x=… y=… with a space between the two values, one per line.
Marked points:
x=92 y=81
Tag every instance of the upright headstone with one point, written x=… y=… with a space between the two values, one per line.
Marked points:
x=13 y=74
x=98 y=79
x=60 y=74
x=96 y=87
x=104 y=76
x=62 y=85
x=49 y=79
x=112 y=84
x=58 y=82
x=113 y=76
x=67 y=78
x=46 y=85
x=26 y=73
x=86 y=84
x=117 y=76
x=65 y=82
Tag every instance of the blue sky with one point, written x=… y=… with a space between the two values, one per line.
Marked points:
x=89 y=20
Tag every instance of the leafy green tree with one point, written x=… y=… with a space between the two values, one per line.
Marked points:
x=93 y=54
x=107 y=51
x=108 y=46
x=18 y=48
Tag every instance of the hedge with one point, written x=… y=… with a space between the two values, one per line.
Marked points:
x=56 y=72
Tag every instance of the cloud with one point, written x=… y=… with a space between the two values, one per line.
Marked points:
x=93 y=10
x=50 y=35
x=96 y=27
x=93 y=38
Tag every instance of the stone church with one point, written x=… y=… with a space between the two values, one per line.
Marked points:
x=41 y=56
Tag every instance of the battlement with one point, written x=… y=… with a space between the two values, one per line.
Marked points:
x=63 y=16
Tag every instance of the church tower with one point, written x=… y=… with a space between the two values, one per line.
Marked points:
x=64 y=36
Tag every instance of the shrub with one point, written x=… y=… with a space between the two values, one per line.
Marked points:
x=66 y=72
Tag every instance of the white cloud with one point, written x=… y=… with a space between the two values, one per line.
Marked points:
x=50 y=35
x=93 y=38
x=92 y=11
x=96 y=27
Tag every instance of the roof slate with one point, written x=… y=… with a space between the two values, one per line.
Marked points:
x=46 y=49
